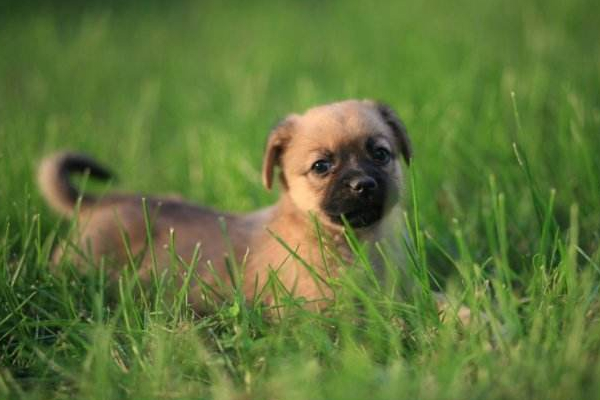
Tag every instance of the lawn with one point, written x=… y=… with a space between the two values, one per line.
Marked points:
x=502 y=104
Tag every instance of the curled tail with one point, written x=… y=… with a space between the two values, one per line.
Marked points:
x=54 y=180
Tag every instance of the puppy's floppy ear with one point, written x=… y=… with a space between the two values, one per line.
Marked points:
x=393 y=121
x=276 y=143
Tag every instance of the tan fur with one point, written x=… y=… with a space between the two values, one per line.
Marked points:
x=339 y=127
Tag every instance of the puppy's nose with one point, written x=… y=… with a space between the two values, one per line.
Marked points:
x=362 y=184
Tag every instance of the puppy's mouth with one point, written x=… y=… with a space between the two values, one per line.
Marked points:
x=359 y=218
x=361 y=206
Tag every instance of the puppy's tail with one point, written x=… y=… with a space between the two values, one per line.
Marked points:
x=55 y=184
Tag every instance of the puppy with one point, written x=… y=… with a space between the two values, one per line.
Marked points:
x=334 y=162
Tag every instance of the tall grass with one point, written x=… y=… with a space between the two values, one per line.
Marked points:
x=502 y=205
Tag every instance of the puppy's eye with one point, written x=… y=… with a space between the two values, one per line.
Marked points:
x=321 y=167
x=381 y=155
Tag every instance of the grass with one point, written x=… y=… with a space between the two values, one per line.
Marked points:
x=502 y=104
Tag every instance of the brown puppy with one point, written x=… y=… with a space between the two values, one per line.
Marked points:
x=336 y=159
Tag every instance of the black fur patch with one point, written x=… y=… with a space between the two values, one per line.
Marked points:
x=360 y=209
x=391 y=118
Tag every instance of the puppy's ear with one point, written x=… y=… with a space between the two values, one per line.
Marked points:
x=393 y=121
x=276 y=143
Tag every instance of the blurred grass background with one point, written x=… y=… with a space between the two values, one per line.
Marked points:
x=179 y=97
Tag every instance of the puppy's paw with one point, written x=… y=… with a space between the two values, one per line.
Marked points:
x=447 y=310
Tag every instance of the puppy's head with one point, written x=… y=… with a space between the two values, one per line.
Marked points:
x=340 y=159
